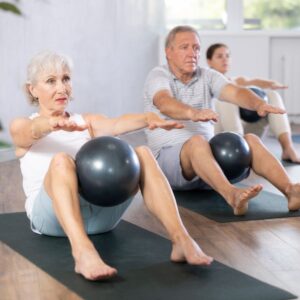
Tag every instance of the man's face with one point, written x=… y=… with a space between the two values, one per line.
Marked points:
x=183 y=53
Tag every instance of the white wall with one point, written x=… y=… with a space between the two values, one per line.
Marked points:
x=249 y=52
x=113 y=44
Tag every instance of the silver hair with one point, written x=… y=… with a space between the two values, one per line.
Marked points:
x=45 y=61
x=178 y=29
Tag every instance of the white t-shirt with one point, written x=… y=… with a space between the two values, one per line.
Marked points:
x=35 y=163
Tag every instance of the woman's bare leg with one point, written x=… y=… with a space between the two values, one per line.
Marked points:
x=289 y=152
x=160 y=201
x=61 y=185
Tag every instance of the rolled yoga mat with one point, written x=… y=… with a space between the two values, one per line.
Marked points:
x=144 y=269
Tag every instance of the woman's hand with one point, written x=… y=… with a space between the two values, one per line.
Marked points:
x=264 y=109
x=63 y=123
x=154 y=121
x=275 y=85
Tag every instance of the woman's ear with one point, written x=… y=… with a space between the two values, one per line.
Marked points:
x=30 y=89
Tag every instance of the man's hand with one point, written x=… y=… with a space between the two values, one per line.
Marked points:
x=265 y=109
x=203 y=115
x=154 y=121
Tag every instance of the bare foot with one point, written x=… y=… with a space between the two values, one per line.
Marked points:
x=293 y=196
x=239 y=198
x=290 y=155
x=185 y=249
x=89 y=264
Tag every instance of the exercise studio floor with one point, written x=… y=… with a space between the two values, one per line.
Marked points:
x=268 y=250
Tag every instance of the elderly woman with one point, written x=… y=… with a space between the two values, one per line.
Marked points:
x=218 y=58
x=46 y=143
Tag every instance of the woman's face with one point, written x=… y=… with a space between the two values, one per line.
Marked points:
x=53 y=90
x=220 y=60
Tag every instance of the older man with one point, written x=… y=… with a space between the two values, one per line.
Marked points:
x=182 y=90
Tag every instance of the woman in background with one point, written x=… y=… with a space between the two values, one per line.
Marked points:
x=218 y=58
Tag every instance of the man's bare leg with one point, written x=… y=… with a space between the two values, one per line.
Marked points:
x=160 y=201
x=267 y=166
x=61 y=185
x=197 y=160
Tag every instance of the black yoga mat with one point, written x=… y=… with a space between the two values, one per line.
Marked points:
x=210 y=204
x=296 y=138
x=142 y=259
x=287 y=163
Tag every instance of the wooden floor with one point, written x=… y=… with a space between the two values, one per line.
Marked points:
x=268 y=250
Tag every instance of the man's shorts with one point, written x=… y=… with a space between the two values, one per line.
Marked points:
x=169 y=162
x=96 y=219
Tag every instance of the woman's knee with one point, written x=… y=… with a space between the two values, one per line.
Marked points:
x=275 y=99
x=144 y=153
x=143 y=150
x=61 y=163
x=146 y=158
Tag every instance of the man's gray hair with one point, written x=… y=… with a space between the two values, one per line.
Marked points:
x=178 y=29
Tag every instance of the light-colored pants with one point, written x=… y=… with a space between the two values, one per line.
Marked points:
x=169 y=162
x=96 y=219
x=229 y=118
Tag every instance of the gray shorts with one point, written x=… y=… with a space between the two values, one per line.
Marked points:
x=169 y=162
x=96 y=219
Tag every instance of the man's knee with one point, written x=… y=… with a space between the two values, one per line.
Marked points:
x=196 y=142
x=191 y=150
x=252 y=139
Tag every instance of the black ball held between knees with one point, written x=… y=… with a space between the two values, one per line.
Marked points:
x=252 y=116
x=232 y=153
x=108 y=171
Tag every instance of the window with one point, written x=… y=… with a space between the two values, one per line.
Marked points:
x=234 y=15
x=271 y=14
x=201 y=14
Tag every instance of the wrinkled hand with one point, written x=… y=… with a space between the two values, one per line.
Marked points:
x=203 y=115
x=62 y=123
x=265 y=109
x=154 y=121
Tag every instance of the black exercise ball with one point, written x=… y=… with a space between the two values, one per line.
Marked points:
x=232 y=153
x=108 y=171
x=252 y=116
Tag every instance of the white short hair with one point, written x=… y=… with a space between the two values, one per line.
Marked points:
x=42 y=62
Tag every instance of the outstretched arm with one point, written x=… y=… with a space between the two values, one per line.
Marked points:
x=100 y=125
x=262 y=83
x=245 y=98
x=177 y=110
x=26 y=132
